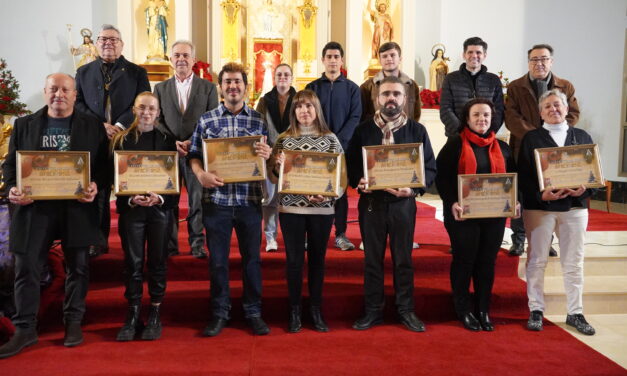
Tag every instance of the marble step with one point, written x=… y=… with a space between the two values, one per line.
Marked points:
x=609 y=260
x=602 y=295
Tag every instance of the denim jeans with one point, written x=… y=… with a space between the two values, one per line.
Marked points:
x=219 y=223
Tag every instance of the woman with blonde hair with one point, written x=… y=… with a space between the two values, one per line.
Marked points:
x=143 y=220
x=305 y=220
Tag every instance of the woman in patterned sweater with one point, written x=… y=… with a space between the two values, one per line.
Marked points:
x=305 y=220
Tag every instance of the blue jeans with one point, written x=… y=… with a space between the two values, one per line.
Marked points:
x=219 y=223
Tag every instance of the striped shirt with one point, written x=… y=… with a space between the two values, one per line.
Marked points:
x=221 y=123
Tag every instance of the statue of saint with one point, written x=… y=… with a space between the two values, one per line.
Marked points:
x=438 y=68
x=87 y=50
x=383 y=28
x=157 y=28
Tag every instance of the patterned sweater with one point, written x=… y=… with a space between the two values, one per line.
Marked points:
x=309 y=141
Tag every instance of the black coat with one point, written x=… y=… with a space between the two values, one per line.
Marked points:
x=162 y=142
x=87 y=134
x=368 y=133
x=127 y=81
x=448 y=162
x=528 y=176
x=458 y=88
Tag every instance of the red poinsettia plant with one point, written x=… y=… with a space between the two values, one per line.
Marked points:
x=430 y=99
x=204 y=67
x=9 y=93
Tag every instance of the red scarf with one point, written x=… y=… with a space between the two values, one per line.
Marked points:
x=467 y=160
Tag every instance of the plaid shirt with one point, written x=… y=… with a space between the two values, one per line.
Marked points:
x=221 y=123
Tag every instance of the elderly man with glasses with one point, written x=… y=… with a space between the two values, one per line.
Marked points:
x=522 y=114
x=106 y=89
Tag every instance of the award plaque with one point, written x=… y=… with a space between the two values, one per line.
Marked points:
x=140 y=172
x=53 y=175
x=312 y=173
x=487 y=195
x=393 y=166
x=234 y=159
x=569 y=167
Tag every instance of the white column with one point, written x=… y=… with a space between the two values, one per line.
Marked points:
x=355 y=59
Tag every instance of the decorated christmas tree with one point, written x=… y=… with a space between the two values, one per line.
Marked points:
x=9 y=93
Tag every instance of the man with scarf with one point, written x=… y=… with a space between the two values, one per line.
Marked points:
x=389 y=212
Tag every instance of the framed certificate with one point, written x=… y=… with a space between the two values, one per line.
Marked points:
x=53 y=175
x=487 y=195
x=393 y=166
x=312 y=173
x=139 y=172
x=234 y=159
x=569 y=167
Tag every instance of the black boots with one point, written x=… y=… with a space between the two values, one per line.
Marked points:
x=153 y=326
x=22 y=338
x=317 y=320
x=294 y=324
x=132 y=324
x=73 y=334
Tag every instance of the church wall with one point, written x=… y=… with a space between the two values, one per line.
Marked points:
x=588 y=38
x=35 y=38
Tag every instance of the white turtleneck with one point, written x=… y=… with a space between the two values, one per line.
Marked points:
x=557 y=131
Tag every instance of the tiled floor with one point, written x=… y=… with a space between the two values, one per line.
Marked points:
x=611 y=329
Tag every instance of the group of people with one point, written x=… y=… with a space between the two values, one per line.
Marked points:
x=109 y=106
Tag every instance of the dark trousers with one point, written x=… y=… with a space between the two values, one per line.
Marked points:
x=475 y=244
x=29 y=263
x=378 y=219
x=194 y=214
x=138 y=227
x=518 y=229
x=219 y=223
x=103 y=199
x=316 y=229
x=341 y=214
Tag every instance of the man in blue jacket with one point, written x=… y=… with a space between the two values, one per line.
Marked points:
x=341 y=103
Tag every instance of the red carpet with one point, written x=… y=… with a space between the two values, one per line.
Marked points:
x=444 y=349
x=603 y=221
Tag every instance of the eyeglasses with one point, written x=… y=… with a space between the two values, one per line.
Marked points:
x=104 y=40
x=538 y=60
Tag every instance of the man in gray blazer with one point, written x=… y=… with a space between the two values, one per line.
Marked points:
x=183 y=98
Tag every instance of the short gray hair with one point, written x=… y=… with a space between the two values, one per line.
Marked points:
x=187 y=43
x=553 y=92
x=111 y=27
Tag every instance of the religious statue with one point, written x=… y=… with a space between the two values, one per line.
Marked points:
x=157 y=28
x=438 y=68
x=269 y=20
x=87 y=49
x=382 y=22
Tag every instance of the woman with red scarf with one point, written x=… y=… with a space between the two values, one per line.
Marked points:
x=475 y=242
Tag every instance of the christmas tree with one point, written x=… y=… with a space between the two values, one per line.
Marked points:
x=9 y=93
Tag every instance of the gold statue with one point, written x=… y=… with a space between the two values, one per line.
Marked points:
x=157 y=28
x=438 y=68
x=383 y=29
x=87 y=49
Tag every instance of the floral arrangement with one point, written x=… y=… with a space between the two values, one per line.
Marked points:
x=203 y=67
x=430 y=99
x=9 y=93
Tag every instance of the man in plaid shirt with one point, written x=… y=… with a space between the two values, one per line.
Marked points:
x=234 y=205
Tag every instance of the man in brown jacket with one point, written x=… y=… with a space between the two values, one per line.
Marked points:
x=522 y=114
x=390 y=60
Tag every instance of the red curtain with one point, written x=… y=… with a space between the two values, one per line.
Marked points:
x=270 y=51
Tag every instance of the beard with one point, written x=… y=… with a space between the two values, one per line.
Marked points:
x=393 y=111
